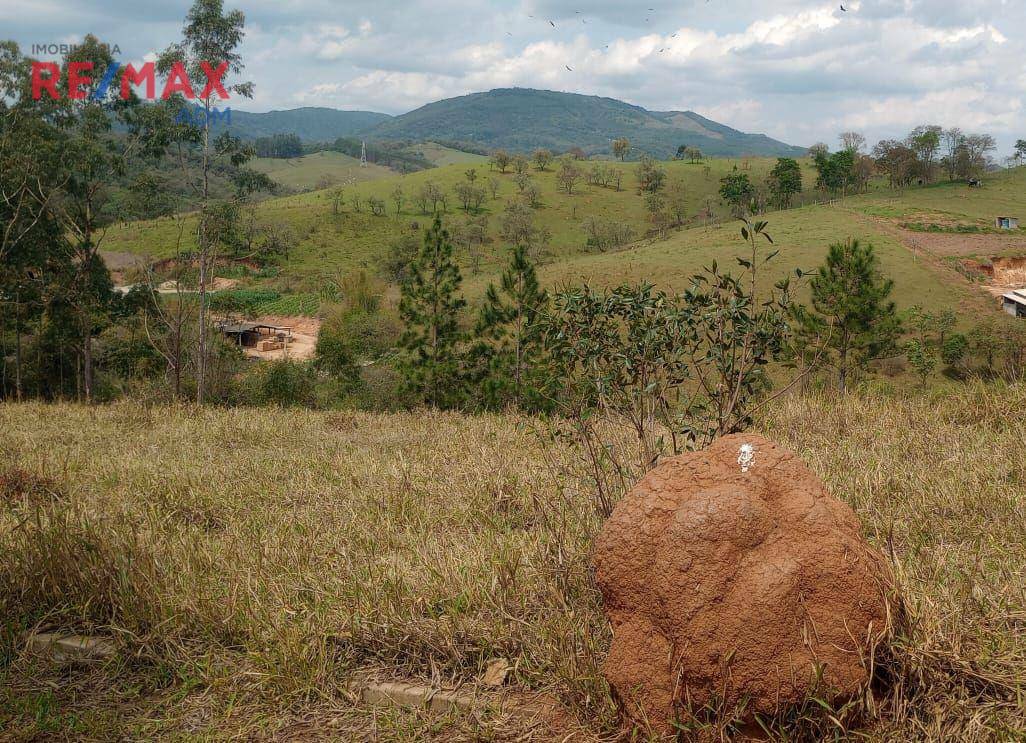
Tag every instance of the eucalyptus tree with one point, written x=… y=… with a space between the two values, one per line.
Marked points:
x=208 y=50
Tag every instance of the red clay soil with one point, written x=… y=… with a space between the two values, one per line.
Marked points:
x=727 y=589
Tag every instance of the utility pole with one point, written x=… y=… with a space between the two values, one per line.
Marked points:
x=363 y=154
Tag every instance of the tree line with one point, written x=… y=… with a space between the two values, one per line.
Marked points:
x=58 y=158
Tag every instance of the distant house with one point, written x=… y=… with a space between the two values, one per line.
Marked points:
x=1007 y=223
x=1014 y=303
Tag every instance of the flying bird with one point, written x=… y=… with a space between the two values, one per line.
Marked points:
x=568 y=67
x=552 y=24
x=844 y=9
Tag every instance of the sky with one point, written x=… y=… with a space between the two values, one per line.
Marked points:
x=801 y=71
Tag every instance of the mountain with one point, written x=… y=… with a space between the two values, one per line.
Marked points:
x=311 y=124
x=522 y=119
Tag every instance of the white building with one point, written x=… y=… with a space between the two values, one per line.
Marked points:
x=1014 y=303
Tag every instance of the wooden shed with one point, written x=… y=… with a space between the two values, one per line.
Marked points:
x=256 y=335
x=1007 y=223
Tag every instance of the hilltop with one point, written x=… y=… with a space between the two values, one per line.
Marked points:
x=522 y=119
x=311 y=124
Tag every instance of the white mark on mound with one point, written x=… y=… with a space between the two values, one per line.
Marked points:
x=746 y=457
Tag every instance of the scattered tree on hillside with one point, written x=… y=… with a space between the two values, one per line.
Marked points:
x=682 y=152
x=377 y=206
x=955 y=350
x=737 y=190
x=658 y=217
x=852 y=141
x=985 y=341
x=520 y=165
x=398 y=198
x=605 y=233
x=694 y=155
x=651 y=177
x=394 y=265
x=338 y=200
x=922 y=358
x=542 y=158
x=429 y=197
x=334 y=355
x=897 y=160
x=952 y=140
x=621 y=148
x=470 y=175
x=785 y=181
x=568 y=175
x=819 y=149
x=851 y=313
x=925 y=142
x=430 y=308
x=972 y=155
x=501 y=159
x=1020 y=150
x=470 y=196
x=835 y=171
x=516 y=226
x=676 y=202
x=862 y=170
x=922 y=349
x=494 y=184
x=531 y=193
x=577 y=153
x=617 y=178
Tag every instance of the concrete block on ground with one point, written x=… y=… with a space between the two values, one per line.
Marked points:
x=70 y=648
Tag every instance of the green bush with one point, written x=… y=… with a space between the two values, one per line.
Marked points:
x=284 y=383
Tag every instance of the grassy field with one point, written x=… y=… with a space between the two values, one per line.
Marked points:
x=330 y=246
x=314 y=170
x=441 y=155
x=801 y=236
x=250 y=564
x=354 y=240
x=951 y=204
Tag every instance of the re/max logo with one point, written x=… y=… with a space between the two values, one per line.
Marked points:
x=47 y=75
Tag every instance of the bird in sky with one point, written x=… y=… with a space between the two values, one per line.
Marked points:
x=844 y=9
x=552 y=24
x=568 y=67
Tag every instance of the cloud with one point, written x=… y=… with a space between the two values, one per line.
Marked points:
x=799 y=70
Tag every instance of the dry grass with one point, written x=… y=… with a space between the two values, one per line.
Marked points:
x=251 y=563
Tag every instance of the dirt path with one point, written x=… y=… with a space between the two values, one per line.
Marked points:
x=950 y=244
x=976 y=297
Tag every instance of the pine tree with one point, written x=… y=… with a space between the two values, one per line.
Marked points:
x=509 y=346
x=850 y=312
x=430 y=308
